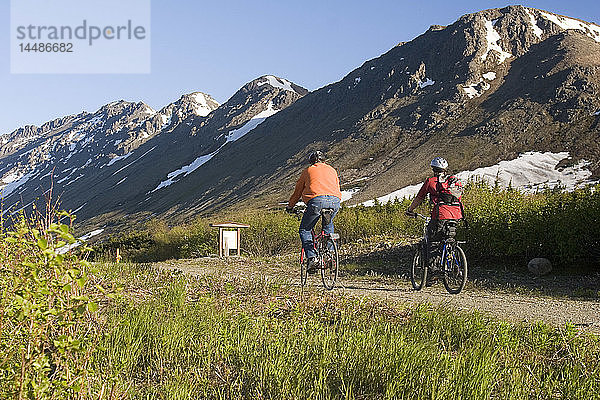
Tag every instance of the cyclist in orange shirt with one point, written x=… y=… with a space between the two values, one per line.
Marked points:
x=319 y=187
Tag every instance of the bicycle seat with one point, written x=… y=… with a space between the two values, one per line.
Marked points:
x=327 y=214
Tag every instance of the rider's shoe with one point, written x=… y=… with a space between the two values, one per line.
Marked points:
x=431 y=280
x=434 y=264
x=311 y=265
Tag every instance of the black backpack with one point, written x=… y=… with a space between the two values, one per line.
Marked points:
x=449 y=192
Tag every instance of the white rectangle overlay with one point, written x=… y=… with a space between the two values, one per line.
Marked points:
x=80 y=37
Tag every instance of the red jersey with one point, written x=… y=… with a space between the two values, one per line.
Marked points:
x=440 y=211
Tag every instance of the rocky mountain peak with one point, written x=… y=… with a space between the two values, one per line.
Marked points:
x=259 y=95
x=481 y=90
x=196 y=103
x=273 y=82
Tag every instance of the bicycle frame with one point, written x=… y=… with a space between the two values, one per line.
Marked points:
x=452 y=260
x=445 y=252
x=327 y=256
x=443 y=244
x=318 y=239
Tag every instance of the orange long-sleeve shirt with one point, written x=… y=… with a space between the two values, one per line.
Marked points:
x=319 y=179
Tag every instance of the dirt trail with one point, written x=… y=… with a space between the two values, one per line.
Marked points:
x=506 y=305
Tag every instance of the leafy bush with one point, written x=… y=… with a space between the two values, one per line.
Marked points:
x=506 y=226
x=561 y=226
x=132 y=245
x=45 y=335
x=270 y=233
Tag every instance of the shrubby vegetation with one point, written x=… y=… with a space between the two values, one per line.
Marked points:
x=46 y=334
x=502 y=226
x=213 y=336
x=561 y=226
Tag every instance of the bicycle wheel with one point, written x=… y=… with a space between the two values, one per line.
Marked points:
x=329 y=269
x=418 y=271
x=303 y=270
x=455 y=270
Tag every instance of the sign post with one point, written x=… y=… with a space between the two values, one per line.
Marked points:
x=229 y=237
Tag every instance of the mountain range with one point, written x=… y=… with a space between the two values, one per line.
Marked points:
x=484 y=90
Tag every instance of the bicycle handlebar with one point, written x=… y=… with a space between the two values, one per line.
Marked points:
x=417 y=215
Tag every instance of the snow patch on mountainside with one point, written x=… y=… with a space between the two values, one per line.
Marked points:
x=253 y=123
x=13 y=181
x=347 y=194
x=186 y=170
x=134 y=161
x=166 y=120
x=408 y=191
x=591 y=30
x=428 y=82
x=536 y=29
x=79 y=242
x=202 y=108
x=529 y=173
x=149 y=110
x=279 y=83
x=232 y=136
x=118 y=158
x=492 y=44
x=476 y=89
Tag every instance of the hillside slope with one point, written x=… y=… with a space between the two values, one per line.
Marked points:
x=492 y=85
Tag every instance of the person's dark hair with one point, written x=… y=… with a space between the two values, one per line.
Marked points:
x=315 y=157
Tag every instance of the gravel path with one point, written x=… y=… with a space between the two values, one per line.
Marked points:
x=509 y=305
x=513 y=307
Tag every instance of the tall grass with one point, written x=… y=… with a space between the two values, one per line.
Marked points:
x=215 y=338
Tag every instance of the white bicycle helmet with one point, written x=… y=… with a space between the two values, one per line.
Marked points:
x=439 y=163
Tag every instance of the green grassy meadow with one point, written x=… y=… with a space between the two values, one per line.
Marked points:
x=186 y=337
x=71 y=329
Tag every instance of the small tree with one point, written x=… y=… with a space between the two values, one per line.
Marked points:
x=46 y=337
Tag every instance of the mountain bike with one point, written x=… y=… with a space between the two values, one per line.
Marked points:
x=449 y=259
x=326 y=248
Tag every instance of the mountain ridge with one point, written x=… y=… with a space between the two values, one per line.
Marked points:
x=486 y=88
x=88 y=156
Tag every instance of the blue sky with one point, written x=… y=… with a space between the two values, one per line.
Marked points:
x=216 y=47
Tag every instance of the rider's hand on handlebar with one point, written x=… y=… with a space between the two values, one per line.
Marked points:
x=289 y=210
x=410 y=213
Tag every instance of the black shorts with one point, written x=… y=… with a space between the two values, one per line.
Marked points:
x=439 y=229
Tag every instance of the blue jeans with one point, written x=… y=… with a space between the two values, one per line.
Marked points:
x=310 y=218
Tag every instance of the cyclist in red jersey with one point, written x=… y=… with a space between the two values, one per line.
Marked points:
x=447 y=204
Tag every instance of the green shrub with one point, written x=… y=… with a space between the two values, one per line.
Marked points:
x=560 y=226
x=270 y=233
x=506 y=226
x=45 y=335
